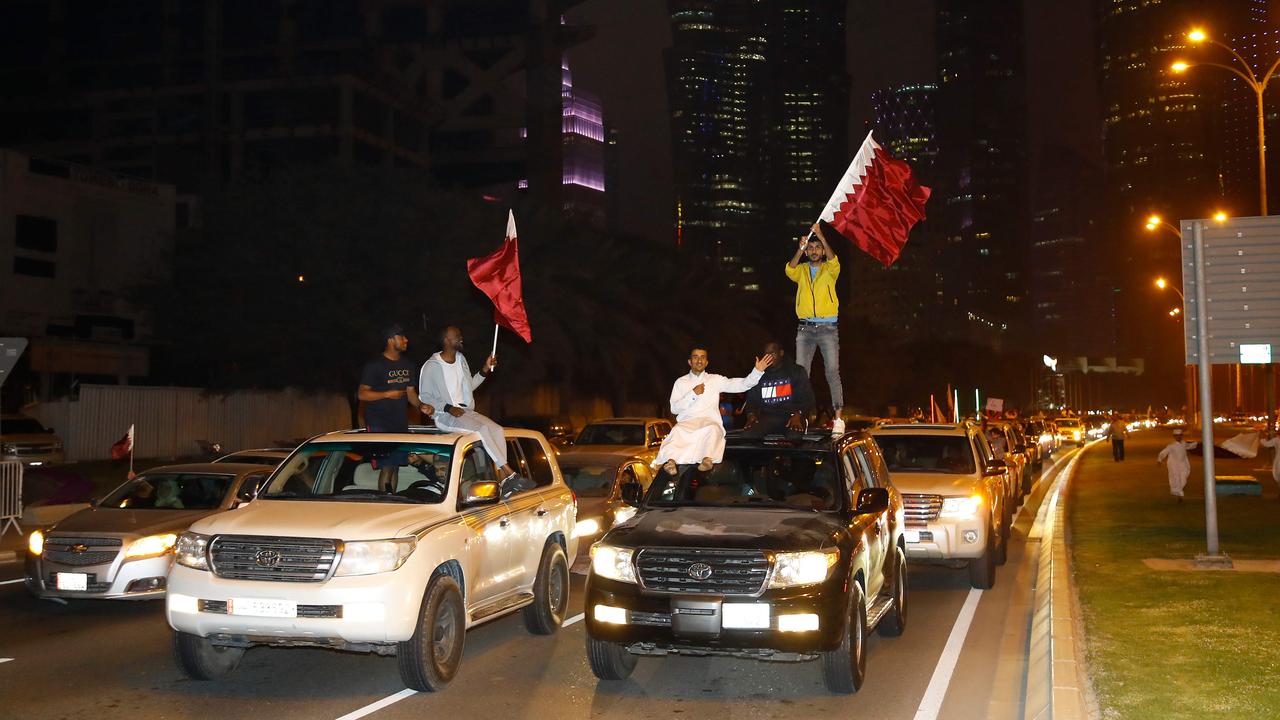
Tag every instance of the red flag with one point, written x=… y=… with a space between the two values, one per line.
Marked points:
x=498 y=276
x=876 y=203
x=123 y=447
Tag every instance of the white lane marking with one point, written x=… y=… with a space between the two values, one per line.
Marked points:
x=397 y=697
x=10 y=582
x=376 y=706
x=5 y=660
x=934 y=694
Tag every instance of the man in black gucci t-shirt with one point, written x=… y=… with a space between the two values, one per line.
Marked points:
x=388 y=385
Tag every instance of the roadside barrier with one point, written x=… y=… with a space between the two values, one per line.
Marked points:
x=10 y=496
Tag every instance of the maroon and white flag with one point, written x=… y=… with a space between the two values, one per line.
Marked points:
x=123 y=447
x=876 y=203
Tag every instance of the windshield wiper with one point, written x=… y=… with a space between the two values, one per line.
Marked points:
x=374 y=497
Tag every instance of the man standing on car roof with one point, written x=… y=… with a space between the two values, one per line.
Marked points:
x=783 y=398
x=817 y=310
x=387 y=385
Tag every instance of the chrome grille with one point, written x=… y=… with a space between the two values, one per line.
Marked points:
x=300 y=559
x=304 y=611
x=92 y=550
x=733 y=572
x=920 y=509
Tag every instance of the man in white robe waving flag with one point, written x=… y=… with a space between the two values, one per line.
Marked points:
x=876 y=203
x=698 y=436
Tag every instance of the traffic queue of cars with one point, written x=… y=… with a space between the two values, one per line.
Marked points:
x=794 y=548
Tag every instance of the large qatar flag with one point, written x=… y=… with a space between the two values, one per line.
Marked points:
x=876 y=203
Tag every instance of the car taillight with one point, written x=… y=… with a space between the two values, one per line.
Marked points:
x=574 y=495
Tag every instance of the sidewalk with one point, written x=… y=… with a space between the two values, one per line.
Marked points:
x=1174 y=643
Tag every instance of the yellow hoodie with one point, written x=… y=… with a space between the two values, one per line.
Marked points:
x=816 y=298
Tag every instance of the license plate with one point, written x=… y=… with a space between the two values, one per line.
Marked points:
x=73 y=581
x=257 y=607
x=911 y=536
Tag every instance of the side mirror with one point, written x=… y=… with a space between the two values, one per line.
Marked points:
x=632 y=493
x=655 y=443
x=485 y=492
x=996 y=467
x=872 y=500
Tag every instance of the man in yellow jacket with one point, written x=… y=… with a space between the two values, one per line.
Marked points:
x=817 y=309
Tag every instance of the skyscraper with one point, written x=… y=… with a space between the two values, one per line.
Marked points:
x=982 y=168
x=1162 y=152
x=758 y=97
x=584 y=152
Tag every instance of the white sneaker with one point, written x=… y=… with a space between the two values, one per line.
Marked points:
x=837 y=426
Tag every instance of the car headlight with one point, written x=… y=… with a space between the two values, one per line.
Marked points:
x=961 y=508
x=191 y=551
x=791 y=569
x=613 y=563
x=150 y=546
x=35 y=542
x=585 y=527
x=623 y=514
x=375 y=556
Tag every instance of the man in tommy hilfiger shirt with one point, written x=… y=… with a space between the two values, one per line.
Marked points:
x=783 y=398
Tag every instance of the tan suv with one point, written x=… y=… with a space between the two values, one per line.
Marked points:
x=953 y=493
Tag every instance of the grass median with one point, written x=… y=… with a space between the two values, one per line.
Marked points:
x=1174 y=644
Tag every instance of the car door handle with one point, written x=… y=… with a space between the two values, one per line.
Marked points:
x=503 y=522
x=541 y=511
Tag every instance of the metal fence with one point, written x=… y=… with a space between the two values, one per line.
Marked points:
x=10 y=496
x=173 y=422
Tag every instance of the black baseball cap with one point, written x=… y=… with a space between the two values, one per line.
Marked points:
x=392 y=330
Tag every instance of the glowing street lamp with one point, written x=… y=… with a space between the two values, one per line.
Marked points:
x=1245 y=72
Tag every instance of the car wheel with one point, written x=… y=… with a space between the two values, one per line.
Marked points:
x=1001 y=548
x=845 y=668
x=550 y=592
x=895 y=621
x=1006 y=522
x=609 y=661
x=982 y=569
x=200 y=659
x=430 y=659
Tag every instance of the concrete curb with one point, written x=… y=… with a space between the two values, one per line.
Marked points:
x=1057 y=682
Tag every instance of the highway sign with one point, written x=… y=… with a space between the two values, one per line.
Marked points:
x=1242 y=286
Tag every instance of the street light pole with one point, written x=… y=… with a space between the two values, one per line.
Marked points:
x=1259 y=87
x=1206 y=401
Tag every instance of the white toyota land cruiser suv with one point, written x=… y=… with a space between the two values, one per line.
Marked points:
x=386 y=543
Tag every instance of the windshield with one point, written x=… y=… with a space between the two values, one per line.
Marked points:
x=589 y=479
x=20 y=426
x=364 y=472
x=767 y=477
x=949 y=454
x=171 y=491
x=612 y=434
x=1068 y=424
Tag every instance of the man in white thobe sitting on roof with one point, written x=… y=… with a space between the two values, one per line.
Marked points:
x=698 y=436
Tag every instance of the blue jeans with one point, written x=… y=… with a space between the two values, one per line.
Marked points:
x=824 y=337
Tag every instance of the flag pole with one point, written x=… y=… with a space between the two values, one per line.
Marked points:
x=494 y=353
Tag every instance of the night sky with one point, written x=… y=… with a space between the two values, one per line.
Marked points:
x=623 y=65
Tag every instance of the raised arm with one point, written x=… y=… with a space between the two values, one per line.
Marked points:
x=743 y=384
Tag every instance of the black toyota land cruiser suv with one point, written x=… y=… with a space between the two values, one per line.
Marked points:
x=790 y=549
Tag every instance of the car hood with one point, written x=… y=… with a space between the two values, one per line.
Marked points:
x=728 y=527
x=606 y=452
x=131 y=522
x=936 y=483
x=322 y=519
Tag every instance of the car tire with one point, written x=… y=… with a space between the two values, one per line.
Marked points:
x=550 y=592
x=982 y=569
x=609 y=661
x=844 y=669
x=200 y=659
x=1006 y=522
x=430 y=659
x=894 y=622
x=1001 y=548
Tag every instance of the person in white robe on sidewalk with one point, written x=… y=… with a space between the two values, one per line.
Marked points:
x=698 y=436
x=1174 y=457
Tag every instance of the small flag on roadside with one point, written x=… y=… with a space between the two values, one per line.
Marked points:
x=123 y=447
x=876 y=203
x=498 y=276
